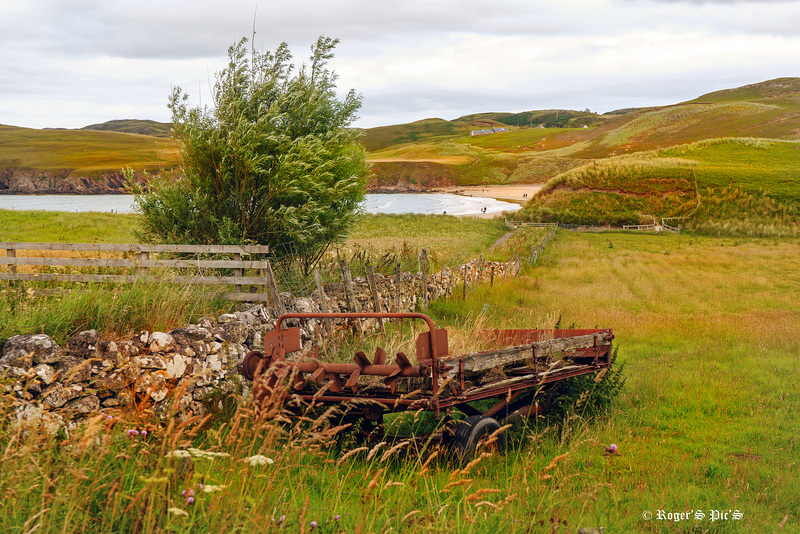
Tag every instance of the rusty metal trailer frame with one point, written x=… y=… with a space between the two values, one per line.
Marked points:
x=450 y=387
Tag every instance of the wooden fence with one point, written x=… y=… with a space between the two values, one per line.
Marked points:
x=519 y=224
x=142 y=263
x=655 y=227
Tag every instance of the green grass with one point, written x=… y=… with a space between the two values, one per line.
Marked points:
x=62 y=227
x=755 y=165
x=707 y=328
x=668 y=182
x=448 y=240
x=112 y=310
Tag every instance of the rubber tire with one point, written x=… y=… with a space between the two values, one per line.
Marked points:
x=470 y=432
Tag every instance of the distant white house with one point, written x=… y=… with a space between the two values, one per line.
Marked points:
x=488 y=131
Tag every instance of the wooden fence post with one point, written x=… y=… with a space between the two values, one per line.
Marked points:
x=464 y=293
x=323 y=299
x=376 y=298
x=398 y=282
x=352 y=303
x=237 y=288
x=347 y=280
x=273 y=290
x=11 y=253
x=424 y=279
x=142 y=256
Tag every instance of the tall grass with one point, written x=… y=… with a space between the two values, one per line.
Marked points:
x=113 y=311
x=733 y=212
x=262 y=470
x=707 y=328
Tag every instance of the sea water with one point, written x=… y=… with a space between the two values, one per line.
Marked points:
x=397 y=203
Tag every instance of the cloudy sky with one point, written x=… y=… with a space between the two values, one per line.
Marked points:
x=70 y=63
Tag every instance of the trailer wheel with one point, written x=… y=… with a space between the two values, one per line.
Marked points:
x=471 y=434
x=250 y=364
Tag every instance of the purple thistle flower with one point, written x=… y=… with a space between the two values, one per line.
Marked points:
x=337 y=517
x=143 y=433
x=313 y=524
x=189 y=500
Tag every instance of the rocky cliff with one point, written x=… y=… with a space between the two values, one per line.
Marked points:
x=21 y=181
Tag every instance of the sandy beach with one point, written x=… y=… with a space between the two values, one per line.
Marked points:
x=519 y=193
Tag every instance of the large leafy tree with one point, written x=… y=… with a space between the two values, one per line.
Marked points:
x=272 y=162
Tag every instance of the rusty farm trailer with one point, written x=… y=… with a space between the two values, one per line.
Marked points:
x=517 y=365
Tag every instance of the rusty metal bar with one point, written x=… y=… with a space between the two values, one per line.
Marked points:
x=370 y=315
x=387 y=401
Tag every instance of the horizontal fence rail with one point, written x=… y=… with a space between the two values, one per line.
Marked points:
x=110 y=247
x=655 y=227
x=142 y=263
x=520 y=224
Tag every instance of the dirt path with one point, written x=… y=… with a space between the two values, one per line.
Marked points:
x=502 y=239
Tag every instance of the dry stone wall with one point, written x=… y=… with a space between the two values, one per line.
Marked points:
x=405 y=294
x=186 y=370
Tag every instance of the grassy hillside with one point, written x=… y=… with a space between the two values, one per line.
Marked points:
x=440 y=130
x=529 y=153
x=136 y=126
x=83 y=152
x=735 y=150
x=753 y=182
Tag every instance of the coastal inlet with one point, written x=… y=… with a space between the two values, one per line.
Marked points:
x=394 y=203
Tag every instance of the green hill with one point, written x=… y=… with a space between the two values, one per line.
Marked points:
x=82 y=161
x=541 y=144
x=727 y=156
x=134 y=126
x=735 y=147
x=726 y=162
x=83 y=152
x=681 y=181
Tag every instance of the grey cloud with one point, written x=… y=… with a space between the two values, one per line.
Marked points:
x=722 y=2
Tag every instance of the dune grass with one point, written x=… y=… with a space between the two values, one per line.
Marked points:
x=751 y=185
